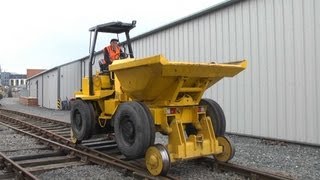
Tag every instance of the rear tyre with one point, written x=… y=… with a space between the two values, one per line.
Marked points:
x=93 y=117
x=133 y=132
x=96 y=128
x=216 y=114
x=81 y=121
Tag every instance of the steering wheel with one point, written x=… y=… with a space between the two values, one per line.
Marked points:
x=123 y=55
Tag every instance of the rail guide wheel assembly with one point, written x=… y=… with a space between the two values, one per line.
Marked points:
x=73 y=138
x=157 y=160
x=228 y=149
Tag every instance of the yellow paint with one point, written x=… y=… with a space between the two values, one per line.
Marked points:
x=161 y=84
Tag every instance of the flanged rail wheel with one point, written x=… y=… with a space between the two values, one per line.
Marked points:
x=132 y=127
x=157 y=160
x=228 y=149
x=81 y=122
x=74 y=138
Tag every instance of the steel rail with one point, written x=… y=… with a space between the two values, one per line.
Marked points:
x=242 y=170
x=21 y=172
x=83 y=155
x=247 y=171
x=61 y=139
x=78 y=150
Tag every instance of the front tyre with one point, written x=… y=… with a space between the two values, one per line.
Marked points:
x=133 y=132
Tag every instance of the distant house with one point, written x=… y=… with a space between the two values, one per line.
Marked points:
x=17 y=79
x=5 y=77
x=11 y=79
x=32 y=72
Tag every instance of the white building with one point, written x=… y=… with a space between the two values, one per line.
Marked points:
x=277 y=96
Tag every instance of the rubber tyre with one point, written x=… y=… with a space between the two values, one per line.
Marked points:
x=81 y=120
x=216 y=114
x=93 y=116
x=133 y=132
x=151 y=122
x=96 y=128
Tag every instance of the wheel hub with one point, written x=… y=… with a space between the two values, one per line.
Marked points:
x=128 y=132
x=78 y=119
x=153 y=161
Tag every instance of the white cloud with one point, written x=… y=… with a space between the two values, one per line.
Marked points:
x=44 y=34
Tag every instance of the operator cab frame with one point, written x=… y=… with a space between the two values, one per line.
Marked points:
x=111 y=27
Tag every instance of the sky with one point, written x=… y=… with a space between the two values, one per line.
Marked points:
x=38 y=34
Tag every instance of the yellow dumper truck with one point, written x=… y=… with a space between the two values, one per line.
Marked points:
x=138 y=97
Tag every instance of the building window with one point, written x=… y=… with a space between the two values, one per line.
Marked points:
x=21 y=82
x=11 y=82
x=17 y=82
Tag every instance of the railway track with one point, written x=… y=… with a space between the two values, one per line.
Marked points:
x=245 y=171
x=100 y=150
x=55 y=133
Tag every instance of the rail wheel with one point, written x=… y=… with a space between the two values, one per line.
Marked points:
x=81 y=122
x=228 y=149
x=132 y=127
x=74 y=138
x=157 y=160
x=216 y=114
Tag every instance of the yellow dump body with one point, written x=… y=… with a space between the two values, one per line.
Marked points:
x=157 y=81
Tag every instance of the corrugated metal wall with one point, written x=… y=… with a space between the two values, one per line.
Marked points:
x=70 y=80
x=50 y=89
x=95 y=67
x=61 y=82
x=278 y=95
x=35 y=88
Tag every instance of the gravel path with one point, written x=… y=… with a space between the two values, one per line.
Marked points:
x=298 y=161
x=13 y=103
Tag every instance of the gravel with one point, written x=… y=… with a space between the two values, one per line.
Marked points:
x=16 y=140
x=294 y=160
x=84 y=172
x=297 y=161
x=11 y=142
